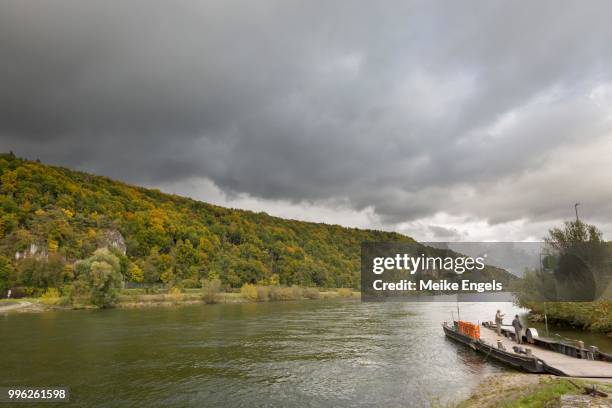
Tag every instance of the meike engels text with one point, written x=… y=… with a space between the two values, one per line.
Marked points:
x=438 y=286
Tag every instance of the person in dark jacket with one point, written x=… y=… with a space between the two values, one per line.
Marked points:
x=518 y=327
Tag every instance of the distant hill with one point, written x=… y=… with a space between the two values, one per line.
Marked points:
x=51 y=216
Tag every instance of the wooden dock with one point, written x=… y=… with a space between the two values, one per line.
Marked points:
x=566 y=365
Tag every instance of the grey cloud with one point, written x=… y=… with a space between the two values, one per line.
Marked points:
x=446 y=234
x=404 y=107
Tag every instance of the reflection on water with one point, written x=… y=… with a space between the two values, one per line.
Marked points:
x=282 y=354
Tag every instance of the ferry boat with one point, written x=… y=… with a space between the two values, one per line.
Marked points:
x=535 y=355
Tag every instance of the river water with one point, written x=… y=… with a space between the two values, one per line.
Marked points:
x=290 y=354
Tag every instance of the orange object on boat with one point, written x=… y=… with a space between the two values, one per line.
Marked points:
x=469 y=329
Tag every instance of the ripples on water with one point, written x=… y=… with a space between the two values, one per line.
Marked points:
x=291 y=354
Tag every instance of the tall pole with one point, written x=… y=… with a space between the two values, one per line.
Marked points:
x=545 y=311
x=458 y=315
x=576 y=209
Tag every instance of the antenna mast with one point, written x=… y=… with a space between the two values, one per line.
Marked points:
x=576 y=209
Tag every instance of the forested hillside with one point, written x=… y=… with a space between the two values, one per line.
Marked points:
x=51 y=217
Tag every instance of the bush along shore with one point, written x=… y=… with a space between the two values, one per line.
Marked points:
x=212 y=294
x=572 y=286
x=209 y=293
x=592 y=316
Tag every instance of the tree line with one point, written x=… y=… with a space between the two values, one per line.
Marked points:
x=53 y=222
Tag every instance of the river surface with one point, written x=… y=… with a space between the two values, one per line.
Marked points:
x=290 y=354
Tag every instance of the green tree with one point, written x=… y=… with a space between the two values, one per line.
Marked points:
x=102 y=272
x=185 y=256
x=150 y=269
x=582 y=265
x=135 y=272
x=71 y=212
x=6 y=274
x=573 y=232
x=575 y=267
x=41 y=272
x=168 y=277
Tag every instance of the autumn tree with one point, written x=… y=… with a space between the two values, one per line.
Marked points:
x=170 y=238
x=136 y=274
x=6 y=274
x=185 y=257
x=102 y=274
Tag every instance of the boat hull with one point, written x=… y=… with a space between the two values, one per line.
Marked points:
x=525 y=363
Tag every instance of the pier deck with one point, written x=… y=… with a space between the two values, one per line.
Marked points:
x=569 y=366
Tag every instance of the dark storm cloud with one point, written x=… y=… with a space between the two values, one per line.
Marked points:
x=409 y=108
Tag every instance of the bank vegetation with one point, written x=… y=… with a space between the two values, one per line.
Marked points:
x=573 y=286
x=72 y=237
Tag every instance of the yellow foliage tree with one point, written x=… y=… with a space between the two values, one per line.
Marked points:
x=157 y=218
x=136 y=273
x=52 y=246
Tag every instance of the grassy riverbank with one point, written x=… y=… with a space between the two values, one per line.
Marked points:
x=136 y=298
x=593 y=316
x=130 y=298
x=529 y=390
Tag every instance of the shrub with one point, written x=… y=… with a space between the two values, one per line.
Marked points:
x=263 y=293
x=296 y=292
x=277 y=293
x=50 y=297
x=190 y=284
x=311 y=293
x=211 y=290
x=64 y=301
x=66 y=290
x=249 y=292
x=175 y=295
x=286 y=293
x=152 y=290
x=345 y=292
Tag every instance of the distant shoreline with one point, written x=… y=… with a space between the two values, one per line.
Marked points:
x=127 y=301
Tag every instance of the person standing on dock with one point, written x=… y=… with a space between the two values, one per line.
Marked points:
x=516 y=323
x=499 y=317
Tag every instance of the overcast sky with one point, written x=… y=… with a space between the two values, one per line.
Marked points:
x=442 y=120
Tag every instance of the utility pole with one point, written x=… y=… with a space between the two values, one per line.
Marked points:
x=541 y=268
x=576 y=209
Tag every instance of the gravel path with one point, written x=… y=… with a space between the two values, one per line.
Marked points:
x=6 y=306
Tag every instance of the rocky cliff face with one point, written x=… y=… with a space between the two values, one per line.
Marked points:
x=33 y=251
x=113 y=239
